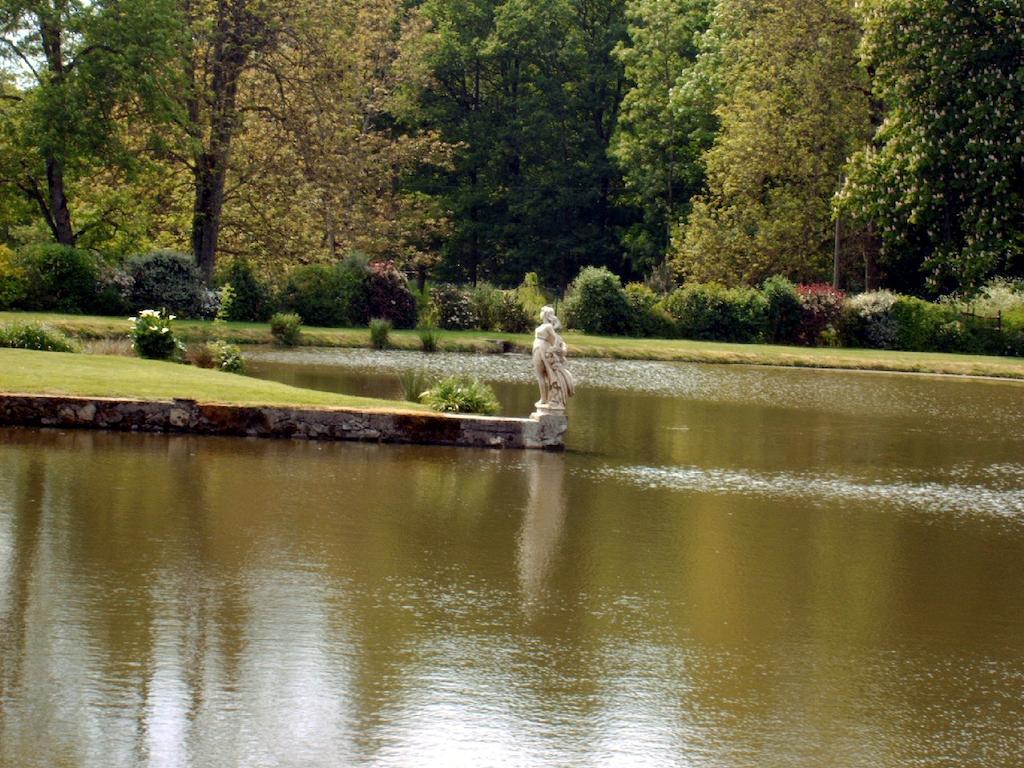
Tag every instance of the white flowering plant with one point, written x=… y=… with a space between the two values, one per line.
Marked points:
x=152 y=335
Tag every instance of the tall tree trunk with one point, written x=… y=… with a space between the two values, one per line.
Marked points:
x=209 y=178
x=57 y=199
x=60 y=215
x=233 y=41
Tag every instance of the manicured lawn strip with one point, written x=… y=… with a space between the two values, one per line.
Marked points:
x=679 y=350
x=59 y=373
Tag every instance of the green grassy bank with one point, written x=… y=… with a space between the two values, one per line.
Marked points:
x=85 y=327
x=59 y=373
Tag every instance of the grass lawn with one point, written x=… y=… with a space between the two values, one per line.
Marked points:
x=85 y=327
x=59 y=373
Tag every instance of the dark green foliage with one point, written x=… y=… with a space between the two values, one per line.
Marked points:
x=286 y=327
x=783 y=310
x=462 y=394
x=530 y=92
x=596 y=303
x=510 y=316
x=380 y=328
x=646 y=315
x=328 y=295
x=113 y=292
x=388 y=296
x=166 y=279
x=452 y=307
x=712 y=312
x=58 y=278
x=252 y=298
x=34 y=336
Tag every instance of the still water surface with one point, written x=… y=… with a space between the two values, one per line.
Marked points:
x=730 y=566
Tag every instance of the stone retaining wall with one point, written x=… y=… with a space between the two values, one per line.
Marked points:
x=546 y=431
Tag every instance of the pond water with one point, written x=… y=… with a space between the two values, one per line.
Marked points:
x=729 y=566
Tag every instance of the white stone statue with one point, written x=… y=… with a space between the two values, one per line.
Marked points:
x=556 y=382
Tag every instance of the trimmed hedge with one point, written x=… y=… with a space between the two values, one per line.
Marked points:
x=712 y=312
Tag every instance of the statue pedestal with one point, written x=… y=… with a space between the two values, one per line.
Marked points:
x=552 y=424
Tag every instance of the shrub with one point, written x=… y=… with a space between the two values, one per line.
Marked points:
x=379 y=330
x=452 y=307
x=415 y=384
x=201 y=355
x=647 y=316
x=227 y=357
x=13 y=280
x=328 y=295
x=596 y=303
x=821 y=305
x=461 y=394
x=251 y=298
x=34 y=336
x=429 y=338
x=484 y=299
x=713 y=312
x=998 y=298
x=170 y=280
x=510 y=316
x=286 y=327
x=58 y=278
x=113 y=292
x=388 y=295
x=783 y=310
x=152 y=335
x=867 y=320
x=922 y=326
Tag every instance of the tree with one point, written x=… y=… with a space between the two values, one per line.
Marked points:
x=943 y=180
x=793 y=105
x=529 y=91
x=80 y=69
x=663 y=129
x=227 y=38
x=323 y=149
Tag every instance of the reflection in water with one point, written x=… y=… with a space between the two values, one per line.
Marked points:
x=696 y=582
x=542 y=522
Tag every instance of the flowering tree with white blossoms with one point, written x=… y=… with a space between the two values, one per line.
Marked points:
x=943 y=180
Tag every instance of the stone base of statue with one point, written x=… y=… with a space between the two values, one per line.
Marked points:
x=552 y=424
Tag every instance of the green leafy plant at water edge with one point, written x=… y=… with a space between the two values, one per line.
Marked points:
x=286 y=327
x=229 y=357
x=415 y=383
x=379 y=331
x=461 y=394
x=34 y=336
x=153 y=337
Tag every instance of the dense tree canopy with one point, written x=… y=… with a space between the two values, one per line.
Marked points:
x=484 y=139
x=943 y=180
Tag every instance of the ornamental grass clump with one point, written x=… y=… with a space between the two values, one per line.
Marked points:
x=429 y=338
x=415 y=383
x=461 y=394
x=380 y=328
x=216 y=354
x=34 y=336
x=152 y=336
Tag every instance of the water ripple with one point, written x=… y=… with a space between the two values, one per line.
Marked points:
x=927 y=496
